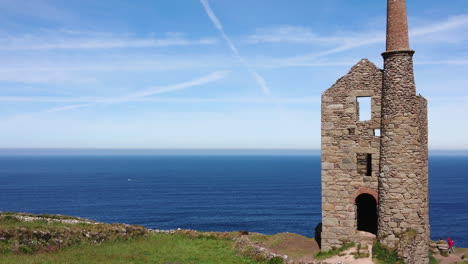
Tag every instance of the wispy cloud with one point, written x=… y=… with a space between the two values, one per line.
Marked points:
x=258 y=78
x=215 y=76
x=41 y=9
x=348 y=41
x=84 y=69
x=242 y=100
x=462 y=61
x=274 y=63
x=65 y=108
x=291 y=34
x=72 y=40
x=454 y=22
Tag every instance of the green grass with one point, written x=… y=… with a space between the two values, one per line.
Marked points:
x=275 y=260
x=156 y=248
x=359 y=254
x=433 y=260
x=328 y=254
x=384 y=256
x=41 y=235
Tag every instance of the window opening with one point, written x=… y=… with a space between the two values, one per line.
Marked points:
x=377 y=132
x=364 y=164
x=364 y=108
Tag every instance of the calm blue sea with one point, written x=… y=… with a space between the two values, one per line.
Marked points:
x=267 y=194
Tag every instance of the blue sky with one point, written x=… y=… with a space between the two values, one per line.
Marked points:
x=210 y=73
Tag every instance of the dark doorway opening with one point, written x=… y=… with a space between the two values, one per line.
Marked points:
x=366 y=213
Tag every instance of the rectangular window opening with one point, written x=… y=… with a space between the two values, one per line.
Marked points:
x=364 y=164
x=364 y=108
x=369 y=165
x=377 y=132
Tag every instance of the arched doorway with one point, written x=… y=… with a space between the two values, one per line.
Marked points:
x=366 y=213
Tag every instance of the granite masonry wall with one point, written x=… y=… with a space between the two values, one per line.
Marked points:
x=403 y=180
x=348 y=145
x=392 y=168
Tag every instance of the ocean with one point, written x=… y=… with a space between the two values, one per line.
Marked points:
x=258 y=193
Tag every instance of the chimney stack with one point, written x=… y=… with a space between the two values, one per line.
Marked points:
x=403 y=181
x=397 y=26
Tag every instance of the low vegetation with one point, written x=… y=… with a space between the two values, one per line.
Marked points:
x=360 y=253
x=27 y=238
x=384 y=256
x=154 y=248
x=433 y=260
x=23 y=233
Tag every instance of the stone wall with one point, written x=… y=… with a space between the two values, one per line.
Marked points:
x=344 y=139
x=403 y=181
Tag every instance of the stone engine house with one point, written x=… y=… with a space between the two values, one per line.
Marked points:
x=374 y=158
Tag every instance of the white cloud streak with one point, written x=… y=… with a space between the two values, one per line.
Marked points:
x=291 y=34
x=215 y=76
x=66 y=108
x=452 y=23
x=242 y=100
x=84 y=69
x=72 y=40
x=41 y=9
x=212 y=15
x=345 y=42
x=257 y=77
x=442 y=62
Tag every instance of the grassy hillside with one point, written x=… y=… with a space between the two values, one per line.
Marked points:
x=155 y=248
x=25 y=233
x=27 y=238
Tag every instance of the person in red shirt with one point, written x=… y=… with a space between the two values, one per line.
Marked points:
x=450 y=245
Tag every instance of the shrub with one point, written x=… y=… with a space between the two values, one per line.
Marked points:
x=275 y=260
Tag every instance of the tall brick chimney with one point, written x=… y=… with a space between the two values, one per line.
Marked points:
x=403 y=211
x=397 y=25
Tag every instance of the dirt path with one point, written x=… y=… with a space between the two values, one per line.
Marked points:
x=451 y=258
x=348 y=258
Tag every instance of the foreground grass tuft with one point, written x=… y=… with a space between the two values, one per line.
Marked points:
x=385 y=256
x=276 y=260
x=433 y=260
x=156 y=248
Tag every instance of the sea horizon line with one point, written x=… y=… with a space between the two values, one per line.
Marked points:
x=185 y=151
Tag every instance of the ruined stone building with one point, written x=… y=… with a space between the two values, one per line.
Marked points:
x=374 y=169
